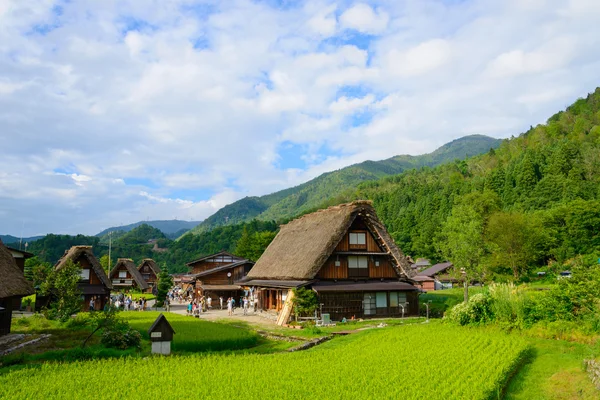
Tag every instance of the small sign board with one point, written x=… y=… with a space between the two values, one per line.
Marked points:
x=156 y=334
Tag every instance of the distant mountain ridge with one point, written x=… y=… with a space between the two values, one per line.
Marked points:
x=168 y=227
x=290 y=202
x=8 y=239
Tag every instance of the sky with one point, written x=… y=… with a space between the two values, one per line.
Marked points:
x=117 y=111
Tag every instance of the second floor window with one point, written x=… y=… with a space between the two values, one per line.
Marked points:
x=122 y=274
x=358 y=239
x=358 y=266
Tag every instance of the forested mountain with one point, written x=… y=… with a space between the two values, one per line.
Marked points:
x=293 y=201
x=8 y=239
x=533 y=200
x=134 y=244
x=167 y=227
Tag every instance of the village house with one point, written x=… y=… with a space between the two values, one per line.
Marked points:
x=217 y=275
x=150 y=271
x=125 y=275
x=437 y=277
x=343 y=253
x=94 y=283
x=13 y=286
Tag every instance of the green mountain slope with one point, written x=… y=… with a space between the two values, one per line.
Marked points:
x=546 y=181
x=293 y=201
x=165 y=226
x=9 y=239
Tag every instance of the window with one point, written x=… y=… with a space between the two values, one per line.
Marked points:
x=122 y=274
x=358 y=239
x=381 y=300
x=358 y=266
x=397 y=298
x=369 y=303
x=85 y=274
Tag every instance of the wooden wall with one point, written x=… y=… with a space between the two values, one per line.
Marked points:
x=358 y=226
x=330 y=271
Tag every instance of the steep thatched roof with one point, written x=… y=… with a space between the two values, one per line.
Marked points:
x=12 y=281
x=152 y=264
x=130 y=265
x=86 y=251
x=302 y=246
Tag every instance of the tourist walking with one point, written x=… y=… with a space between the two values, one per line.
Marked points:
x=230 y=306
x=245 y=306
x=92 y=304
x=209 y=302
x=221 y=301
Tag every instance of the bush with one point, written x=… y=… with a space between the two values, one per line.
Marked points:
x=477 y=310
x=121 y=337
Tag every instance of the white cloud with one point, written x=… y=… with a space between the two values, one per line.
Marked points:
x=100 y=101
x=364 y=19
x=420 y=59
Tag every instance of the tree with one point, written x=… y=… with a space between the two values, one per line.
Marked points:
x=305 y=301
x=165 y=283
x=105 y=261
x=515 y=240
x=462 y=241
x=62 y=285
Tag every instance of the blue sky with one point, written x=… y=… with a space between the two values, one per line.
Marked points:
x=117 y=111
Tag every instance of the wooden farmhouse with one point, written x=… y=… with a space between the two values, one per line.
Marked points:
x=436 y=277
x=149 y=270
x=218 y=275
x=125 y=275
x=343 y=253
x=94 y=283
x=13 y=287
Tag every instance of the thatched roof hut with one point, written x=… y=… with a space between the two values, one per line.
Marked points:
x=75 y=252
x=150 y=263
x=12 y=281
x=303 y=245
x=132 y=269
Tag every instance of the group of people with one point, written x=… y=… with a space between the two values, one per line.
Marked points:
x=127 y=303
x=246 y=303
x=204 y=304
x=198 y=305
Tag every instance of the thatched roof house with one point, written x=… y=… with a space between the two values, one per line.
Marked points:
x=302 y=246
x=126 y=275
x=149 y=270
x=13 y=286
x=94 y=285
x=345 y=254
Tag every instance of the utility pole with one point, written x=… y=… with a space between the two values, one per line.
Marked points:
x=464 y=274
x=109 y=248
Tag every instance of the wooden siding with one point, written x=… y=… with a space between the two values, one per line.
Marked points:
x=358 y=226
x=330 y=271
x=351 y=304
x=205 y=266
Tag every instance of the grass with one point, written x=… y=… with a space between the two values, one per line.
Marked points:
x=554 y=372
x=377 y=363
x=195 y=335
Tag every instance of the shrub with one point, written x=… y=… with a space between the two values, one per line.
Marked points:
x=477 y=310
x=121 y=336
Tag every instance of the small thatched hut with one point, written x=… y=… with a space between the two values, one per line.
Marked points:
x=125 y=275
x=149 y=270
x=13 y=286
x=94 y=283
x=345 y=254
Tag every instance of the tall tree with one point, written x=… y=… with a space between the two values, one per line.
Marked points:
x=462 y=241
x=515 y=241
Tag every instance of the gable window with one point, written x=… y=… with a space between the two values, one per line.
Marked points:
x=85 y=274
x=358 y=266
x=122 y=274
x=358 y=239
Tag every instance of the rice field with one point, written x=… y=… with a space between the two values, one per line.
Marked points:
x=411 y=362
x=194 y=335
